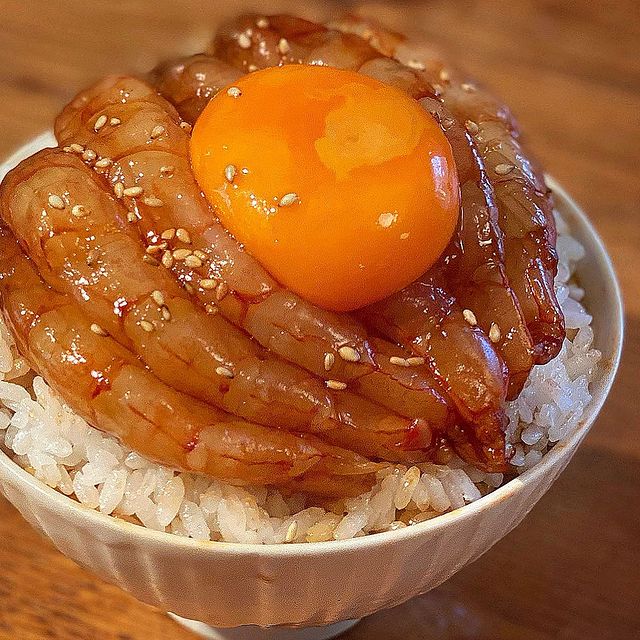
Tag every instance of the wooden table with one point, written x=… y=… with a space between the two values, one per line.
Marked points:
x=571 y=71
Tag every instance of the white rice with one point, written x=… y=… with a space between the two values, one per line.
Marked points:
x=59 y=448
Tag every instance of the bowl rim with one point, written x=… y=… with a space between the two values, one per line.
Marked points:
x=66 y=505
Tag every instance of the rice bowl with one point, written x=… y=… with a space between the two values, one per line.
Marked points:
x=309 y=584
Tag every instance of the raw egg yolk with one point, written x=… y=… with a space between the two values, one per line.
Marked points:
x=344 y=188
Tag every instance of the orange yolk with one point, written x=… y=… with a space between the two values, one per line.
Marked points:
x=344 y=188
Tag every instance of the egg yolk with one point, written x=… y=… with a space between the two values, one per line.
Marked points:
x=344 y=188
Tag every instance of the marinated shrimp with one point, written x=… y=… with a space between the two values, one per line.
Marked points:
x=220 y=274
x=524 y=202
x=189 y=83
x=104 y=383
x=474 y=264
x=87 y=249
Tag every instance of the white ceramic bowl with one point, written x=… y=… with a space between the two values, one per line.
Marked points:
x=227 y=585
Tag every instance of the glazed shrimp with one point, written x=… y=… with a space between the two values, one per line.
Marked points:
x=426 y=317
x=474 y=264
x=225 y=278
x=83 y=245
x=524 y=201
x=104 y=383
x=189 y=83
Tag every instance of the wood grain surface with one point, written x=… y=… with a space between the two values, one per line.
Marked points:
x=571 y=72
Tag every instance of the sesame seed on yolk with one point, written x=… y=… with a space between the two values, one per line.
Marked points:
x=344 y=188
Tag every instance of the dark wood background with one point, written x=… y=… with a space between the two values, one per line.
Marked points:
x=571 y=72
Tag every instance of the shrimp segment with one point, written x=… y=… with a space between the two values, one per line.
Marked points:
x=97 y=258
x=475 y=263
x=104 y=383
x=236 y=284
x=284 y=39
x=524 y=202
x=189 y=83
x=424 y=316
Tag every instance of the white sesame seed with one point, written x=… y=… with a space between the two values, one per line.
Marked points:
x=349 y=354
x=262 y=23
x=404 y=236
x=208 y=283
x=181 y=254
x=56 y=201
x=494 y=333
x=467 y=86
x=230 y=172
x=132 y=217
x=416 y=64
x=189 y=288
x=221 y=291
x=166 y=314
x=89 y=155
x=167 y=259
x=211 y=309
x=103 y=163
x=471 y=127
x=114 y=122
x=470 y=317
x=386 y=219
x=283 y=46
x=251 y=68
x=158 y=297
x=152 y=201
x=503 y=169
x=79 y=211
x=168 y=234
x=244 y=41
x=399 y=362
x=100 y=122
x=234 y=92
x=118 y=189
x=329 y=360
x=415 y=361
x=444 y=75
x=288 y=199
x=292 y=532
x=132 y=192
x=157 y=131
x=336 y=384
x=76 y=148
x=193 y=262
x=224 y=371
x=168 y=169
x=98 y=330
x=154 y=248
x=183 y=236
x=185 y=126
x=201 y=254
x=67 y=149
x=147 y=326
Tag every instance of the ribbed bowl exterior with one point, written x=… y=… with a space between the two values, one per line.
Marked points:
x=228 y=585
